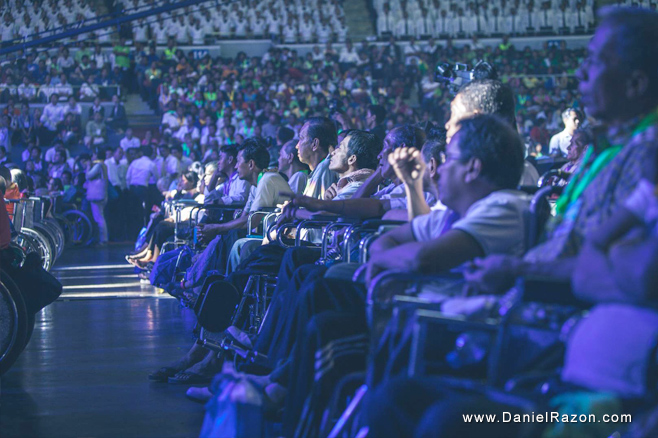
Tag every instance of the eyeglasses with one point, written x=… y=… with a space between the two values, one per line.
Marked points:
x=445 y=158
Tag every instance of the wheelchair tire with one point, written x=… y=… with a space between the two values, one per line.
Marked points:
x=44 y=247
x=58 y=233
x=83 y=230
x=26 y=242
x=50 y=238
x=13 y=323
x=67 y=229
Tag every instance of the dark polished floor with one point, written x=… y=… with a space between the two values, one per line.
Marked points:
x=84 y=373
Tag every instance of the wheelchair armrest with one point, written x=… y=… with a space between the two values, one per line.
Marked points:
x=409 y=277
x=549 y=291
x=334 y=226
x=457 y=321
x=310 y=224
x=324 y=217
x=266 y=211
x=212 y=207
x=376 y=223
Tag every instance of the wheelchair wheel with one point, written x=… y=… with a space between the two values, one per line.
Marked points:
x=67 y=229
x=43 y=247
x=58 y=233
x=83 y=231
x=50 y=239
x=26 y=242
x=13 y=323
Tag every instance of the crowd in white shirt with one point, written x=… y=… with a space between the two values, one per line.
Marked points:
x=459 y=18
x=290 y=21
x=35 y=19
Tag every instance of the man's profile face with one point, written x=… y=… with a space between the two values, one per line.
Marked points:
x=601 y=77
x=458 y=112
x=243 y=168
x=451 y=173
x=338 y=158
x=225 y=163
x=304 y=145
x=388 y=147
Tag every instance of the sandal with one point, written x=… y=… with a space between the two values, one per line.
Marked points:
x=189 y=378
x=163 y=374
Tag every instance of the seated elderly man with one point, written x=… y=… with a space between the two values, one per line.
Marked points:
x=610 y=169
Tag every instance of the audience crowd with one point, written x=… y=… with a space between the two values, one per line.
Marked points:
x=366 y=133
x=425 y=18
x=281 y=20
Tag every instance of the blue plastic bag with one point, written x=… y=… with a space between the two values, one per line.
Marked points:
x=141 y=239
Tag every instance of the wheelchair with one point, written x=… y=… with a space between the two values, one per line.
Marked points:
x=390 y=340
x=36 y=230
x=221 y=307
x=16 y=324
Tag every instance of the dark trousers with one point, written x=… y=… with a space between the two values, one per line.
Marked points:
x=138 y=216
x=292 y=259
x=117 y=218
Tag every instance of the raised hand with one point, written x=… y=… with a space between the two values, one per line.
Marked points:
x=408 y=164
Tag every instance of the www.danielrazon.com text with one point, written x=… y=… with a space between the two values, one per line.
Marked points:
x=545 y=417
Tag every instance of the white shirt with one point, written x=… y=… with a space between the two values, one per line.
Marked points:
x=51 y=116
x=172 y=165
x=141 y=172
x=298 y=181
x=139 y=33
x=238 y=191
x=561 y=142
x=271 y=191
x=409 y=53
x=496 y=222
x=27 y=91
x=116 y=173
x=127 y=143
x=349 y=57
x=184 y=130
x=197 y=35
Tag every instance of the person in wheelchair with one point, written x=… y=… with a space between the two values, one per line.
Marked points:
x=317 y=139
x=164 y=230
x=354 y=161
x=582 y=138
x=232 y=190
x=615 y=272
x=268 y=190
x=611 y=167
x=484 y=214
